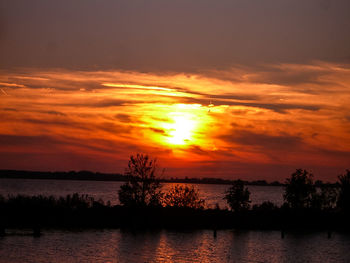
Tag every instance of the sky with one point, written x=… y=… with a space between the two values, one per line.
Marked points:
x=227 y=89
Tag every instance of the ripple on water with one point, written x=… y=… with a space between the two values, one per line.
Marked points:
x=170 y=246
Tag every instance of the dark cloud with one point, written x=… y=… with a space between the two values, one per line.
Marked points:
x=240 y=96
x=60 y=144
x=160 y=131
x=123 y=117
x=114 y=128
x=196 y=149
x=281 y=142
x=52 y=112
x=281 y=108
x=9 y=109
x=80 y=126
x=312 y=78
x=59 y=160
x=341 y=155
x=290 y=77
x=277 y=107
x=27 y=141
x=97 y=104
x=50 y=122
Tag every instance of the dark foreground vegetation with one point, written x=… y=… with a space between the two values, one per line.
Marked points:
x=144 y=205
x=83 y=212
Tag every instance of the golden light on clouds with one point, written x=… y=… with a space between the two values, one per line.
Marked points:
x=216 y=123
x=177 y=127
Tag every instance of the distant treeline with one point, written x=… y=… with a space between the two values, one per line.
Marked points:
x=92 y=176
x=71 y=175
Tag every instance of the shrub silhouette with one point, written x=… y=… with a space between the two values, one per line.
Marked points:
x=69 y=202
x=183 y=196
x=299 y=190
x=237 y=196
x=325 y=199
x=143 y=186
x=344 y=191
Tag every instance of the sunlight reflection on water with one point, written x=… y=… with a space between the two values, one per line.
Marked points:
x=170 y=246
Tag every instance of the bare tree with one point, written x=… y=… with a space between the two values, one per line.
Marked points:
x=143 y=185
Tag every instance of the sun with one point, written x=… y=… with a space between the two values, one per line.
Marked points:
x=181 y=130
x=180 y=126
x=183 y=124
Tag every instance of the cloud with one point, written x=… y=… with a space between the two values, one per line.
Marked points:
x=160 y=131
x=52 y=112
x=255 y=118
x=280 y=142
x=9 y=109
x=277 y=107
x=317 y=74
x=27 y=141
x=123 y=117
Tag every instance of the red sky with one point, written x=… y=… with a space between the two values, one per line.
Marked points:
x=225 y=90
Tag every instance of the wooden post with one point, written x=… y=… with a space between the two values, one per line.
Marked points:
x=36 y=231
x=329 y=234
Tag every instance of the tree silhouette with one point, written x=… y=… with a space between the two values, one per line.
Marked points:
x=183 y=196
x=143 y=186
x=299 y=190
x=344 y=191
x=237 y=196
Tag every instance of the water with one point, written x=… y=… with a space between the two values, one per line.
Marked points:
x=115 y=245
x=108 y=191
x=168 y=246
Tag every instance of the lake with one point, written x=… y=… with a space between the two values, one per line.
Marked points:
x=170 y=246
x=116 y=245
x=108 y=191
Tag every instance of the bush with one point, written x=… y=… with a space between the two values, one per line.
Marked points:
x=325 y=199
x=183 y=196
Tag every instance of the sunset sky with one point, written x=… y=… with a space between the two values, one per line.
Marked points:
x=230 y=89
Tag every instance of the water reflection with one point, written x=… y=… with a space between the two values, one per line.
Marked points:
x=174 y=246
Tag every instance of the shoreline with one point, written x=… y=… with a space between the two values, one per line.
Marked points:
x=92 y=176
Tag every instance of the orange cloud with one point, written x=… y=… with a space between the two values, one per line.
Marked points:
x=212 y=123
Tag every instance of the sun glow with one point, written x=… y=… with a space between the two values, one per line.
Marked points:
x=181 y=130
x=184 y=124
